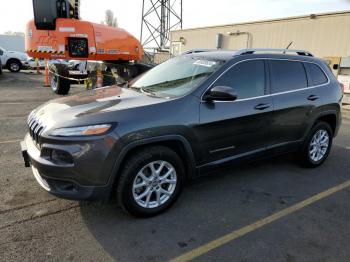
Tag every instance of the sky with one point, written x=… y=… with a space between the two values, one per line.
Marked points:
x=16 y=13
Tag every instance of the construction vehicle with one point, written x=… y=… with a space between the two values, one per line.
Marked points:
x=58 y=33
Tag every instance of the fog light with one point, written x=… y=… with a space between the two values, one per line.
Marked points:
x=61 y=157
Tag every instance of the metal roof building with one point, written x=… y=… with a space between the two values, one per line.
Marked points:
x=325 y=35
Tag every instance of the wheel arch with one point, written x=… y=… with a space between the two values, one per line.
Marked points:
x=175 y=142
x=13 y=59
x=331 y=118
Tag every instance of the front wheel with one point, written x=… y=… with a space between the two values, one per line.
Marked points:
x=14 y=65
x=151 y=181
x=58 y=76
x=317 y=145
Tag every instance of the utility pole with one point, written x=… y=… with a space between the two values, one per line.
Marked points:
x=159 y=17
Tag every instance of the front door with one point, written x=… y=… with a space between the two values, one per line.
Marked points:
x=240 y=127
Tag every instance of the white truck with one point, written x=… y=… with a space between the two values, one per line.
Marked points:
x=13 y=61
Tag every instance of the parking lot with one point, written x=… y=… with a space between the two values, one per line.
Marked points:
x=270 y=210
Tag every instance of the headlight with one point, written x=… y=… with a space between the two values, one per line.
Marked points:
x=81 y=130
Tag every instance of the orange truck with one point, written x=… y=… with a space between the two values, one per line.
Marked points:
x=58 y=33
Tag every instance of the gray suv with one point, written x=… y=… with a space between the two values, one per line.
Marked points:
x=185 y=117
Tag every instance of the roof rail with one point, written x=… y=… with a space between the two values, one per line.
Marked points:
x=250 y=51
x=198 y=50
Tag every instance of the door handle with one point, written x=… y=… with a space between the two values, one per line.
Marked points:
x=262 y=106
x=313 y=97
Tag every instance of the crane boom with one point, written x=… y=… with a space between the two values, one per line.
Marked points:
x=58 y=33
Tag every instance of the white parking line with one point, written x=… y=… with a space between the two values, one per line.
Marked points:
x=10 y=141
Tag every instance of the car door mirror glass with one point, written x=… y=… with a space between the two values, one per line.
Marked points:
x=220 y=93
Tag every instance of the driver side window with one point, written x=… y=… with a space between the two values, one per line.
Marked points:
x=247 y=78
x=1 y=52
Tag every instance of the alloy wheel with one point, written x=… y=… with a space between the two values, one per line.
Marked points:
x=14 y=67
x=319 y=145
x=53 y=82
x=154 y=184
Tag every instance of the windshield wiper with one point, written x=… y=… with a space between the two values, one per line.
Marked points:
x=144 y=90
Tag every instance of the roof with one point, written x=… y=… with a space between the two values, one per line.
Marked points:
x=226 y=55
x=346 y=12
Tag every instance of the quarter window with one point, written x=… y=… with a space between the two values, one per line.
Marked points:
x=316 y=74
x=247 y=78
x=287 y=75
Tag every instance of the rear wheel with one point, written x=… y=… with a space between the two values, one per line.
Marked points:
x=317 y=145
x=14 y=65
x=58 y=79
x=151 y=181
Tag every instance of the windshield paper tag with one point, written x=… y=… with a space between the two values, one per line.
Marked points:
x=205 y=63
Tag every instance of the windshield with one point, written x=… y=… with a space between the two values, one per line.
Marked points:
x=176 y=77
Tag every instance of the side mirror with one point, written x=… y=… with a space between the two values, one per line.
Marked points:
x=220 y=93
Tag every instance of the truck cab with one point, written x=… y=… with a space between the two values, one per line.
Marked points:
x=12 y=60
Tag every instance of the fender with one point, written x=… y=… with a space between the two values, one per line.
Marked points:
x=324 y=113
x=192 y=171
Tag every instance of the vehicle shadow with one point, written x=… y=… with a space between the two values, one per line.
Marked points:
x=208 y=208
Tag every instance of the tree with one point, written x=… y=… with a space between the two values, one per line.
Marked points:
x=110 y=20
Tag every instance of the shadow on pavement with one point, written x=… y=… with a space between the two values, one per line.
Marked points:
x=208 y=208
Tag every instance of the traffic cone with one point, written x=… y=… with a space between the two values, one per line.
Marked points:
x=47 y=83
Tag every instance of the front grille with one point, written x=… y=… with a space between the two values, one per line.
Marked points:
x=35 y=128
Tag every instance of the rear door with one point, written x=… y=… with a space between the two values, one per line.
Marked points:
x=238 y=127
x=294 y=99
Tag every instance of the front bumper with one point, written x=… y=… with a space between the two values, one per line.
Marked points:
x=24 y=63
x=87 y=178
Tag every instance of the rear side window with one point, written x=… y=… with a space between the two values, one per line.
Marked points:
x=247 y=78
x=287 y=75
x=317 y=76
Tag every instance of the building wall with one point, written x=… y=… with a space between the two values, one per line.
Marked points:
x=12 y=42
x=325 y=35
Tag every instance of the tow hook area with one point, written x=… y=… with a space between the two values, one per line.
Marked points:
x=25 y=154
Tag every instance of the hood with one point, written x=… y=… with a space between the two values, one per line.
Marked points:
x=20 y=55
x=89 y=103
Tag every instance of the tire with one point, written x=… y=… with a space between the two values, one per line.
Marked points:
x=0 y=69
x=315 y=149
x=108 y=79
x=14 y=65
x=59 y=84
x=130 y=176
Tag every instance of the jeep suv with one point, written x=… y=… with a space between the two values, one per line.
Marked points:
x=185 y=117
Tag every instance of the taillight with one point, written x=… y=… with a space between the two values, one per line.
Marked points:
x=342 y=87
